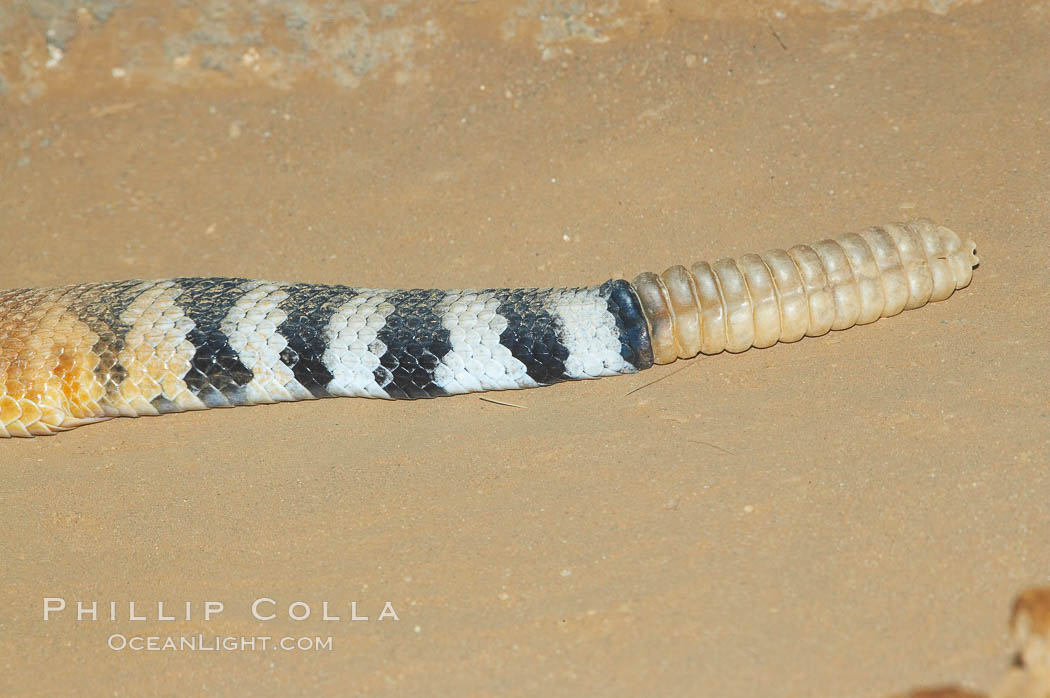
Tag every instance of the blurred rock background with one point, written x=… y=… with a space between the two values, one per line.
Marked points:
x=49 y=44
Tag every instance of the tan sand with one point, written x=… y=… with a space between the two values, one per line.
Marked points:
x=845 y=516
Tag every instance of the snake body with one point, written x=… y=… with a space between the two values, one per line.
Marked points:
x=79 y=354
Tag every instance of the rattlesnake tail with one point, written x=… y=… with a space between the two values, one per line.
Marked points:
x=80 y=354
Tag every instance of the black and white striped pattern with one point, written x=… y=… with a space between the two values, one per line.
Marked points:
x=193 y=343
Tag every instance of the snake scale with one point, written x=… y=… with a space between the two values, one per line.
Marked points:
x=80 y=354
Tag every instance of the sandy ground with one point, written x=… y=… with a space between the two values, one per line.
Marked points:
x=845 y=516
